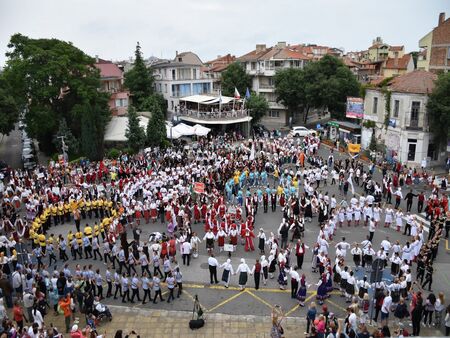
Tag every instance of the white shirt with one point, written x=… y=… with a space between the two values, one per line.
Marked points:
x=387 y=302
x=212 y=261
x=186 y=248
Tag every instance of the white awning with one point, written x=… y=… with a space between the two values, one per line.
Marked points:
x=206 y=99
x=184 y=129
x=116 y=128
x=200 y=130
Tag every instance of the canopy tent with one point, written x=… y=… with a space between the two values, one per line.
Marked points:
x=184 y=129
x=199 y=130
x=116 y=128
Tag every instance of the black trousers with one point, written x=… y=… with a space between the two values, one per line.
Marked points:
x=117 y=290
x=109 y=291
x=186 y=257
x=156 y=269
x=408 y=206
x=371 y=233
x=135 y=293
x=257 y=277
x=144 y=268
x=419 y=206
x=125 y=294
x=147 y=294
x=156 y=295
x=294 y=288
x=213 y=274
x=300 y=261
x=97 y=252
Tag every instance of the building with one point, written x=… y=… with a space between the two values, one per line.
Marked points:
x=261 y=64
x=111 y=78
x=214 y=68
x=407 y=136
x=185 y=75
x=435 y=46
x=397 y=65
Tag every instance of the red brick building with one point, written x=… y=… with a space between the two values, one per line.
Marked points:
x=440 y=46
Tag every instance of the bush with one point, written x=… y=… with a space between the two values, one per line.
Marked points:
x=129 y=151
x=113 y=153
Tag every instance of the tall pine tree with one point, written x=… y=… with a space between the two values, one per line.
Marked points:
x=134 y=133
x=139 y=80
x=156 y=128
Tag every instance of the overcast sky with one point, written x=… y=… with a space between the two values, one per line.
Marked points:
x=209 y=28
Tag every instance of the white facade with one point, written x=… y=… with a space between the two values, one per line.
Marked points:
x=184 y=76
x=407 y=137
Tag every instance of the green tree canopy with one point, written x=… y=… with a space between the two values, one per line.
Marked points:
x=258 y=106
x=235 y=77
x=289 y=88
x=154 y=100
x=9 y=112
x=156 y=128
x=325 y=83
x=55 y=81
x=134 y=133
x=139 y=80
x=70 y=141
x=439 y=110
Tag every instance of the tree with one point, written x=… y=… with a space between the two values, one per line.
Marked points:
x=258 y=106
x=9 y=112
x=439 y=110
x=139 y=80
x=55 y=80
x=70 y=141
x=154 y=100
x=289 y=88
x=328 y=83
x=134 y=133
x=156 y=128
x=235 y=77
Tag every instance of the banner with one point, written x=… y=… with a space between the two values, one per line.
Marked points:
x=355 y=108
x=354 y=148
x=199 y=187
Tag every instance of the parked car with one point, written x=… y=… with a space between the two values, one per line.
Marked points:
x=301 y=131
x=29 y=161
x=21 y=125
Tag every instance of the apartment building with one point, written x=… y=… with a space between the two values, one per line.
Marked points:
x=262 y=64
x=407 y=137
x=185 y=75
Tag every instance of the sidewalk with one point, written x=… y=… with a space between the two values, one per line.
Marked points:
x=161 y=323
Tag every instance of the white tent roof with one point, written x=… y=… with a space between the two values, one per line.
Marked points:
x=116 y=128
x=184 y=129
x=206 y=99
x=172 y=134
x=199 y=130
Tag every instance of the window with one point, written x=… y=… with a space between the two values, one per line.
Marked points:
x=253 y=64
x=375 y=106
x=396 y=107
x=415 y=108
x=165 y=87
x=194 y=73
x=270 y=80
x=273 y=113
x=448 y=53
x=159 y=85
x=173 y=74
x=121 y=102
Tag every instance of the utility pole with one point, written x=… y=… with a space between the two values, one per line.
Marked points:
x=64 y=148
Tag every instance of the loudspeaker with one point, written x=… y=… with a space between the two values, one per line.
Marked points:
x=196 y=323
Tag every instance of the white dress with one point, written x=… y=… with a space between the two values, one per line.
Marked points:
x=388 y=217
x=399 y=219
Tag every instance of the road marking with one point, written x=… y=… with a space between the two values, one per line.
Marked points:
x=259 y=298
x=297 y=306
x=193 y=299
x=337 y=305
x=225 y=301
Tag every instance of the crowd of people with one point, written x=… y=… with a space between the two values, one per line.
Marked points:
x=238 y=182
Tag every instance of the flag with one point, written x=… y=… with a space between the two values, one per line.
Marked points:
x=247 y=94
x=237 y=96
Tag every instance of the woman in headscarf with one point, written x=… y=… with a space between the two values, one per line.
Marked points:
x=227 y=272
x=243 y=270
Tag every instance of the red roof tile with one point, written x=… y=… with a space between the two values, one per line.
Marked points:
x=400 y=63
x=109 y=70
x=417 y=82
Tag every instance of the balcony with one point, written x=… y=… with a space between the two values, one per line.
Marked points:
x=266 y=88
x=214 y=117
x=415 y=122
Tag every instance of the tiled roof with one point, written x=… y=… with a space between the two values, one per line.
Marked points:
x=417 y=82
x=396 y=48
x=401 y=63
x=108 y=69
x=254 y=55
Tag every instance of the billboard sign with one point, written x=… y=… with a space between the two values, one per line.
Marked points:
x=355 y=108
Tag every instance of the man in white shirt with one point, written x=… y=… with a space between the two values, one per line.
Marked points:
x=186 y=248
x=212 y=265
x=386 y=308
x=344 y=246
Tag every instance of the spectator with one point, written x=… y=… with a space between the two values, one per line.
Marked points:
x=310 y=316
